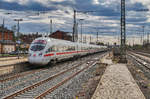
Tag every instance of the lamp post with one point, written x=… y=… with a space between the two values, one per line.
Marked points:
x=18 y=34
x=147 y=37
x=75 y=23
x=81 y=20
x=51 y=24
x=143 y=27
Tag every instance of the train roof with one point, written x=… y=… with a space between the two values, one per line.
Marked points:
x=48 y=39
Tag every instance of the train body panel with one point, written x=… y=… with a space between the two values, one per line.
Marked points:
x=44 y=50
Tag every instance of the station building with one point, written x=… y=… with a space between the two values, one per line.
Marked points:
x=7 y=43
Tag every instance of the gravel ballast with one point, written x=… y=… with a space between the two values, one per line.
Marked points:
x=37 y=76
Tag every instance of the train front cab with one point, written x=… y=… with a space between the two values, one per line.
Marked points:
x=37 y=53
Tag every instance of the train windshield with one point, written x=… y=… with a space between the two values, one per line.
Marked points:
x=38 y=45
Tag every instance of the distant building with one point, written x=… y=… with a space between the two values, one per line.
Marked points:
x=7 y=43
x=6 y=34
x=7 y=47
x=61 y=35
x=28 y=38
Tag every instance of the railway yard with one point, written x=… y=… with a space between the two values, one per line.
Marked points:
x=49 y=80
x=74 y=49
x=83 y=78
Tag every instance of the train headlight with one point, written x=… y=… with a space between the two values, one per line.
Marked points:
x=40 y=54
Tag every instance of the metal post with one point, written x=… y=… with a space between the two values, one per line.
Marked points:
x=76 y=36
x=3 y=23
x=97 y=37
x=74 y=27
x=143 y=33
x=141 y=39
x=18 y=38
x=90 y=38
x=123 y=32
x=133 y=40
x=118 y=39
x=51 y=22
x=3 y=30
x=81 y=32
x=18 y=30
x=18 y=35
x=85 y=38
x=81 y=20
x=148 y=37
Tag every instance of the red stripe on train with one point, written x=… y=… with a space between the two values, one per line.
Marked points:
x=66 y=53
x=51 y=54
x=62 y=53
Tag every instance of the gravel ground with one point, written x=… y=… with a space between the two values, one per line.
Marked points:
x=141 y=76
x=117 y=83
x=39 y=76
x=28 y=80
x=141 y=67
x=71 y=88
x=74 y=87
x=40 y=89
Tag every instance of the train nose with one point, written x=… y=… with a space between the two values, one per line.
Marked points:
x=37 y=60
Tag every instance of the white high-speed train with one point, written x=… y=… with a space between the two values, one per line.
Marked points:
x=44 y=50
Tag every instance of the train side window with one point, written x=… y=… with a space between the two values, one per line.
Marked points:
x=71 y=48
x=49 y=50
x=65 y=48
x=59 y=48
x=83 y=48
x=68 y=49
x=53 y=48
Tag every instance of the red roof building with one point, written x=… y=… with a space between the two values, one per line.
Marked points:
x=28 y=38
x=61 y=35
x=6 y=34
x=7 y=43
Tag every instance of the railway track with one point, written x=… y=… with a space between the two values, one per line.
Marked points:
x=143 y=53
x=7 y=78
x=28 y=79
x=37 y=90
x=140 y=60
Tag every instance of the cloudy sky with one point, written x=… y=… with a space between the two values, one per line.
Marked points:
x=36 y=15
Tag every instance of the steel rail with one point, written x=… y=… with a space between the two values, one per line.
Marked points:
x=40 y=83
x=62 y=82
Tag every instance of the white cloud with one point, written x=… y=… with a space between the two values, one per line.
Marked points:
x=96 y=2
x=144 y=2
x=63 y=20
x=21 y=2
x=43 y=2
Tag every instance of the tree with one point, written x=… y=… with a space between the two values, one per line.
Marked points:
x=99 y=43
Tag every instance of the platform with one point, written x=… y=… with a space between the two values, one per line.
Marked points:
x=117 y=83
x=13 y=61
x=107 y=60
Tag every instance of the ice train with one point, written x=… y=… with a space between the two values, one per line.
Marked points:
x=44 y=50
